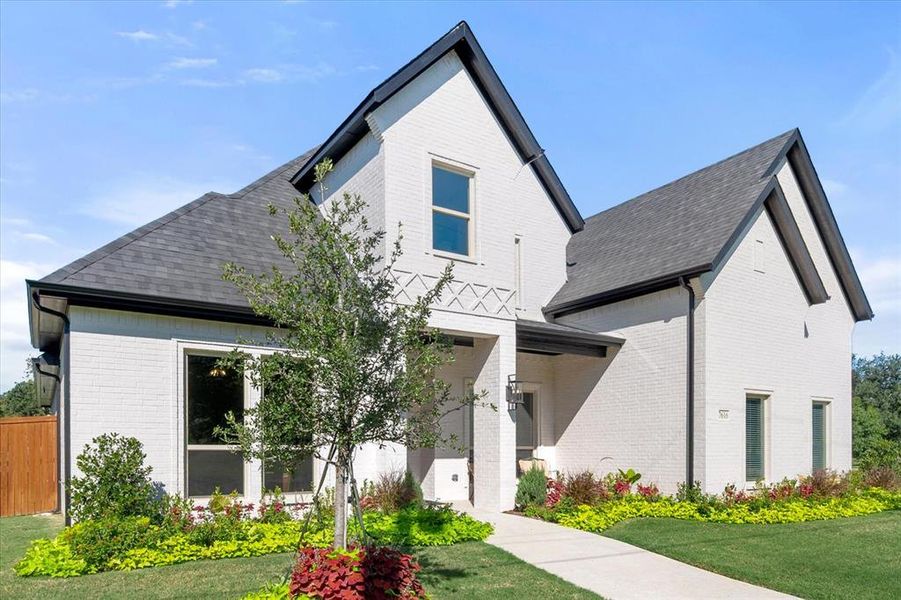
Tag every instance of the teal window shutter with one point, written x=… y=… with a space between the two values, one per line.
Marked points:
x=754 y=439
x=818 y=421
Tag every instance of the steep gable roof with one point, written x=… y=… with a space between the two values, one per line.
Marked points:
x=463 y=41
x=180 y=255
x=687 y=226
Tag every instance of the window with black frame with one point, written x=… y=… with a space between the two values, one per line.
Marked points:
x=212 y=392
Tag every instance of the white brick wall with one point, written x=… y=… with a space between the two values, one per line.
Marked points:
x=442 y=116
x=761 y=335
x=629 y=406
x=126 y=376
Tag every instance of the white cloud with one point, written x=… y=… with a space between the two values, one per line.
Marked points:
x=138 y=36
x=143 y=198
x=175 y=3
x=20 y=96
x=15 y=344
x=881 y=279
x=37 y=237
x=880 y=104
x=834 y=189
x=192 y=63
x=209 y=83
x=264 y=75
x=199 y=25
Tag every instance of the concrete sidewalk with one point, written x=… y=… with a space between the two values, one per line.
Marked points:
x=613 y=569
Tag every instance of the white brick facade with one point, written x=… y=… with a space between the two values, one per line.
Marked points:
x=754 y=331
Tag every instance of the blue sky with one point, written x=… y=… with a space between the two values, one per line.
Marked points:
x=113 y=114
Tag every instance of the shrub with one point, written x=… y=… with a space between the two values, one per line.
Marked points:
x=649 y=492
x=554 y=492
x=393 y=491
x=356 y=573
x=532 y=488
x=690 y=492
x=274 y=591
x=882 y=477
x=881 y=453
x=219 y=536
x=823 y=483
x=429 y=526
x=272 y=507
x=584 y=488
x=114 y=481
x=97 y=542
x=177 y=513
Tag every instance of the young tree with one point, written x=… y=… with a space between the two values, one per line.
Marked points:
x=354 y=366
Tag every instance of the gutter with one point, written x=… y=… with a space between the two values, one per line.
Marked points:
x=689 y=385
x=62 y=456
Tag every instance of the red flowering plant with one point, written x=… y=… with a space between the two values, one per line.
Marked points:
x=733 y=495
x=272 y=507
x=649 y=492
x=622 y=487
x=555 y=489
x=783 y=490
x=358 y=573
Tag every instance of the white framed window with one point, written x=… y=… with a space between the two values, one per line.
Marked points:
x=452 y=210
x=211 y=392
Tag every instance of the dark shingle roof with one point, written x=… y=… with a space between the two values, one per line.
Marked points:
x=180 y=255
x=674 y=229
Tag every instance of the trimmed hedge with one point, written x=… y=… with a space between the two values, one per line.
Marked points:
x=411 y=527
x=603 y=515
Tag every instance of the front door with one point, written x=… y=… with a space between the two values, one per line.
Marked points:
x=525 y=426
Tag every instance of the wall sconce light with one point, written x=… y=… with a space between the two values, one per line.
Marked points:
x=514 y=392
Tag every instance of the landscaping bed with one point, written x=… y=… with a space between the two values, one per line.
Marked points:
x=459 y=572
x=589 y=503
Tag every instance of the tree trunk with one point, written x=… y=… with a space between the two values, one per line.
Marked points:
x=340 y=506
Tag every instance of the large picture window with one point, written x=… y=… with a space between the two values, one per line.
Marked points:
x=451 y=211
x=212 y=392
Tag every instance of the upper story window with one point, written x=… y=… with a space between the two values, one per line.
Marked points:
x=451 y=211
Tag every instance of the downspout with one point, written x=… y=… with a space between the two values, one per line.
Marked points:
x=63 y=504
x=689 y=385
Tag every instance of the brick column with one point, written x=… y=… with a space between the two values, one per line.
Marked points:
x=494 y=446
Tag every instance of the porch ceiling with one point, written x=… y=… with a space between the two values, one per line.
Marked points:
x=554 y=338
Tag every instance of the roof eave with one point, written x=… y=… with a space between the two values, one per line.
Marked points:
x=625 y=292
x=148 y=303
x=461 y=39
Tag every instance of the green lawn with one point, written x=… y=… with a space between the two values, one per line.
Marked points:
x=470 y=570
x=856 y=557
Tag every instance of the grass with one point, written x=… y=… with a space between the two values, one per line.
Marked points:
x=855 y=557
x=470 y=570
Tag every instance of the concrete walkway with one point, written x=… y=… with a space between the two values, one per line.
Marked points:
x=613 y=569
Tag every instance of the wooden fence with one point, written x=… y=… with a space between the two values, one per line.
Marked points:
x=28 y=465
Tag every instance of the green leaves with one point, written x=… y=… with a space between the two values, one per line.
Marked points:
x=353 y=365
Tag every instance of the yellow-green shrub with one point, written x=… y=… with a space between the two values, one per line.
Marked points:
x=601 y=516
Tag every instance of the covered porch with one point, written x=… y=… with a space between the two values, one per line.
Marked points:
x=536 y=375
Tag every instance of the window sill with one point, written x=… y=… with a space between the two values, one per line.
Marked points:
x=454 y=257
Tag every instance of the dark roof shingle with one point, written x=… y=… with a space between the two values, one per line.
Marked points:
x=181 y=254
x=676 y=228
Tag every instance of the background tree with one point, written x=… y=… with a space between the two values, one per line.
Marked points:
x=877 y=410
x=20 y=401
x=355 y=367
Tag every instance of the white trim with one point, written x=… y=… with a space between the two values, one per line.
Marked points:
x=827 y=430
x=469 y=172
x=764 y=397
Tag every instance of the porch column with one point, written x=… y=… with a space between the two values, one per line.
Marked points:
x=494 y=431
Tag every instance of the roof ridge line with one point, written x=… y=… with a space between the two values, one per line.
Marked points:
x=789 y=133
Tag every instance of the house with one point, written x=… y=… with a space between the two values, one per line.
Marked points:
x=701 y=331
